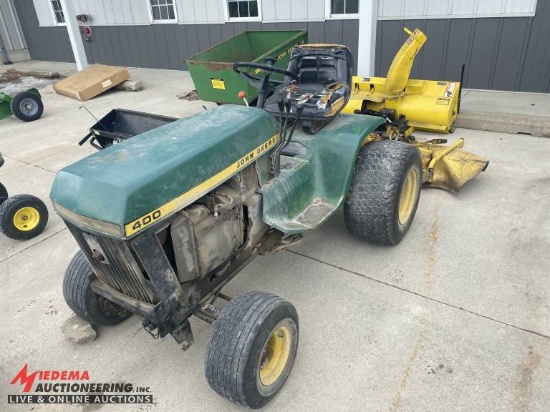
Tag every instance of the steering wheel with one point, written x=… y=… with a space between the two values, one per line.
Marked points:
x=268 y=69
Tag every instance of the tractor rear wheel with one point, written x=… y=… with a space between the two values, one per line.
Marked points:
x=27 y=106
x=80 y=297
x=23 y=217
x=252 y=348
x=384 y=192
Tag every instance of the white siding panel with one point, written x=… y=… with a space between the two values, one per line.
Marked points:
x=214 y=11
x=315 y=9
x=515 y=6
x=398 y=9
x=437 y=7
x=186 y=11
x=387 y=8
x=268 y=11
x=118 y=13
x=44 y=12
x=414 y=8
x=200 y=11
x=282 y=10
x=299 y=9
x=292 y=10
x=463 y=7
x=489 y=6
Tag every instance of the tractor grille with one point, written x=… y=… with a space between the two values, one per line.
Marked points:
x=118 y=268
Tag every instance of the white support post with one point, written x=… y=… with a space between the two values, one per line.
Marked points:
x=74 y=34
x=368 y=18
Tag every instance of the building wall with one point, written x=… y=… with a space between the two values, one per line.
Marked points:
x=136 y=12
x=43 y=43
x=500 y=53
x=437 y=9
x=166 y=46
x=10 y=30
x=506 y=47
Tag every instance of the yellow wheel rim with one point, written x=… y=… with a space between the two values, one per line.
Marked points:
x=26 y=219
x=275 y=354
x=409 y=194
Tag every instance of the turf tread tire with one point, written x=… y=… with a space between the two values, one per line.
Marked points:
x=371 y=208
x=234 y=338
x=9 y=208
x=79 y=295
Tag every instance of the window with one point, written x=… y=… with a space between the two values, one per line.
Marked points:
x=243 y=8
x=163 y=10
x=58 y=11
x=344 y=6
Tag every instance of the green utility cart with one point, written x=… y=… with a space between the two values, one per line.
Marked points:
x=212 y=70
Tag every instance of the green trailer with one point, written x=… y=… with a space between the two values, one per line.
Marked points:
x=212 y=70
x=26 y=106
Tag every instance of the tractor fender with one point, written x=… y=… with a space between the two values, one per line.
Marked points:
x=312 y=185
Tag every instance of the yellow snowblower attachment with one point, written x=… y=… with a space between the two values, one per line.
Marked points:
x=418 y=104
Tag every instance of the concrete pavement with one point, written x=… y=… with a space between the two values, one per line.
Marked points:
x=456 y=317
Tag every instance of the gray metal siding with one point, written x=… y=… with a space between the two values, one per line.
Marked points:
x=164 y=46
x=167 y=46
x=501 y=53
x=43 y=43
x=10 y=30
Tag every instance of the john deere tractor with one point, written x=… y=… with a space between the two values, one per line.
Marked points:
x=165 y=219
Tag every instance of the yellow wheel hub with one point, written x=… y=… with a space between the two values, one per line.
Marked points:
x=26 y=219
x=409 y=193
x=275 y=354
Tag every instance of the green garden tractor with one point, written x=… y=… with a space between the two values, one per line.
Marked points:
x=165 y=219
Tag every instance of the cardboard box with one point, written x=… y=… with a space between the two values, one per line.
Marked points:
x=92 y=81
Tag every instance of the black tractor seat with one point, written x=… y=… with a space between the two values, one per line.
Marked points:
x=323 y=89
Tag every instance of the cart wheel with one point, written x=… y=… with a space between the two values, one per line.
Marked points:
x=252 y=348
x=23 y=217
x=3 y=193
x=83 y=301
x=384 y=192
x=27 y=106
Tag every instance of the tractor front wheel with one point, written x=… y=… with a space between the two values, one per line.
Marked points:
x=27 y=106
x=252 y=348
x=384 y=192
x=80 y=297
x=23 y=217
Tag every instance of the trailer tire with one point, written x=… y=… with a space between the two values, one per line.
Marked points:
x=27 y=106
x=23 y=217
x=384 y=192
x=252 y=348
x=83 y=301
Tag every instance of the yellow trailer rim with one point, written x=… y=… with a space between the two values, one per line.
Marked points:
x=26 y=219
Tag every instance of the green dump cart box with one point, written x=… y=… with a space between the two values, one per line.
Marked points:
x=212 y=70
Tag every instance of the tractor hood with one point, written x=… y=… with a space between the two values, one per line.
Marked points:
x=123 y=189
